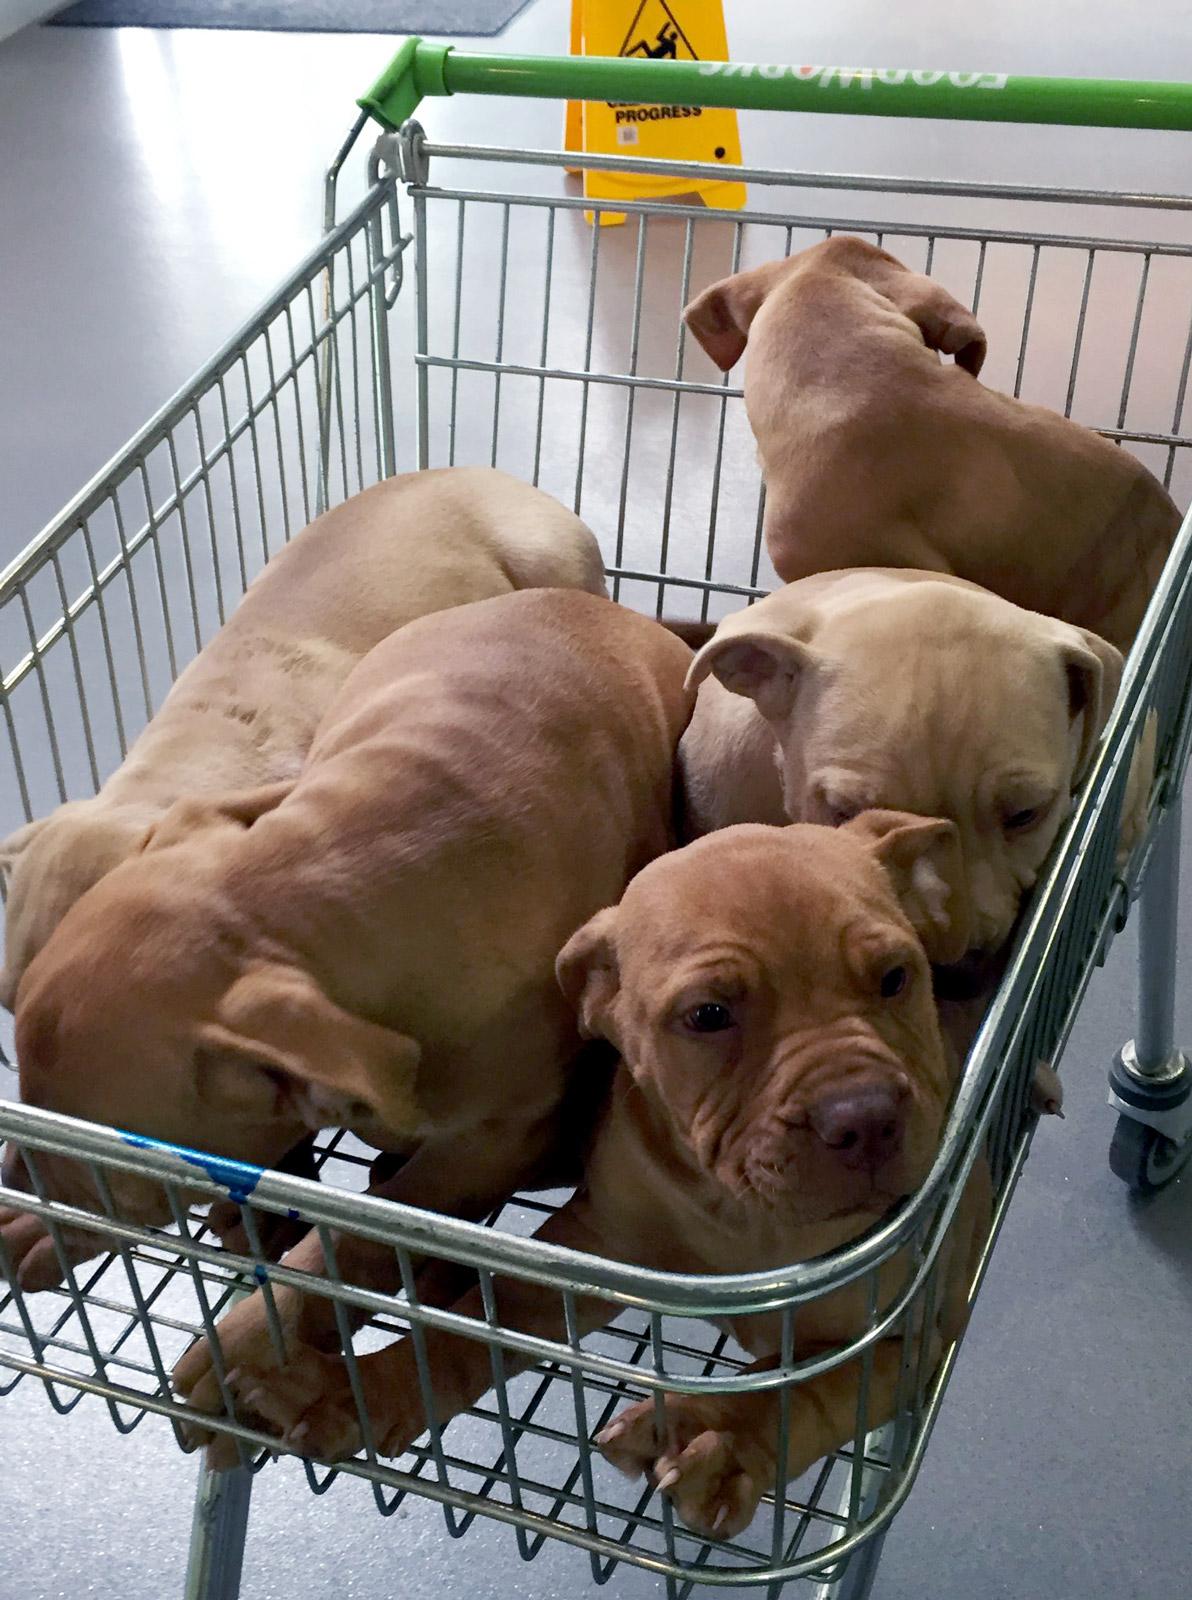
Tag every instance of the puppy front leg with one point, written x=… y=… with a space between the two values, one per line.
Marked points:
x=310 y=1403
x=277 y=1234
x=464 y=1177
x=718 y=1454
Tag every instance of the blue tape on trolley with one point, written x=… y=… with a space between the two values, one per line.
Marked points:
x=237 y=1177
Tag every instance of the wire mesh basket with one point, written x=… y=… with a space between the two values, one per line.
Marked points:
x=502 y=328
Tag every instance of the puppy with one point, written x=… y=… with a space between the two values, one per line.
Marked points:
x=875 y=453
x=783 y=1082
x=373 y=945
x=909 y=691
x=244 y=712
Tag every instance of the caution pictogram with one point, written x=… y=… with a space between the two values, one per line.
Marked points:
x=653 y=30
x=655 y=34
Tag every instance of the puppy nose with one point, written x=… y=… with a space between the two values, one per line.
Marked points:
x=862 y=1124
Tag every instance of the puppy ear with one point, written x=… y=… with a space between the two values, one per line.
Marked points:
x=587 y=973
x=763 y=666
x=193 y=815
x=17 y=842
x=334 y=1062
x=922 y=859
x=721 y=317
x=1093 y=668
x=946 y=325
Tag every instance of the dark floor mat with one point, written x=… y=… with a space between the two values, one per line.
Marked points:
x=480 y=17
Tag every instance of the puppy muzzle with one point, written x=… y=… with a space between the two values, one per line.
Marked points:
x=847 y=1123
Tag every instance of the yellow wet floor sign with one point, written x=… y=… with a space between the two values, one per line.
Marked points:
x=676 y=30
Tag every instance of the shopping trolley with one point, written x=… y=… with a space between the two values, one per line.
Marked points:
x=557 y=351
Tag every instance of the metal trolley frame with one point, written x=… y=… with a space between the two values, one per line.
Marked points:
x=388 y=349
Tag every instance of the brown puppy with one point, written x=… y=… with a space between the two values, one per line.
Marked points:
x=876 y=454
x=783 y=1082
x=907 y=691
x=244 y=712
x=372 y=946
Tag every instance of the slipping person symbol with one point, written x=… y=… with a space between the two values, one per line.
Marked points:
x=663 y=48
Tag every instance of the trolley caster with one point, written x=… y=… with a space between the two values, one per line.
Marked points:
x=1143 y=1158
x=1152 y=1142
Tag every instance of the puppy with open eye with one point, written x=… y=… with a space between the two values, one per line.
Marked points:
x=371 y=946
x=885 y=687
x=783 y=1082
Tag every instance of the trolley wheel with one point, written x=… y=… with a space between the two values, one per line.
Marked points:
x=1143 y=1158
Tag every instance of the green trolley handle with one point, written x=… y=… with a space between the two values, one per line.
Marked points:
x=420 y=69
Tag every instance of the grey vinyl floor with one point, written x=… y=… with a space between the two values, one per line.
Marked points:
x=153 y=186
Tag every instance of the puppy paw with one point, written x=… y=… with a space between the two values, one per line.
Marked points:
x=307 y=1403
x=29 y=1255
x=1047 y=1092
x=630 y=1441
x=245 y=1344
x=714 y=1483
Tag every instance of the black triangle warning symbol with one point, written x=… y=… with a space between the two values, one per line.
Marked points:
x=655 y=34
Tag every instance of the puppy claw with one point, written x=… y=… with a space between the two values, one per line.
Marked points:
x=234 y=1377
x=298 y=1434
x=630 y=1442
x=711 y=1480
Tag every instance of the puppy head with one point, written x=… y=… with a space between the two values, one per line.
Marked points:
x=48 y=864
x=723 y=315
x=147 y=1011
x=768 y=991
x=913 y=693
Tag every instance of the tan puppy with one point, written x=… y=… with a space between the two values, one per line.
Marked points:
x=900 y=689
x=875 y=453
x=245 y=711
x=783 y=1082
x=372 y=946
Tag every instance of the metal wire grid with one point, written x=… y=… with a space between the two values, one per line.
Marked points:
x=264 y=436
x=105 y=608
x=551 y=365
x=116 y=1329
x=520 y=1459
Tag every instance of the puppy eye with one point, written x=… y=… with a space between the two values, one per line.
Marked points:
x=710 y=1017
x=893 y=981
x=843 y=811
x=1020 y=821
